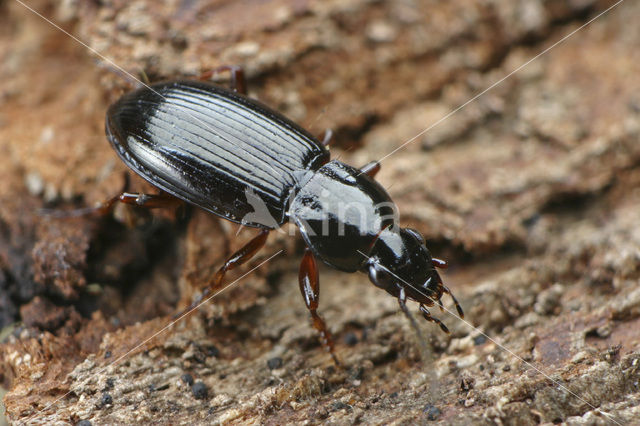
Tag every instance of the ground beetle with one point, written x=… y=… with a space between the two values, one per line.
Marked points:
x=233 y=156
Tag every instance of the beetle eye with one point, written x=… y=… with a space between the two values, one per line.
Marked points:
x=416 y=234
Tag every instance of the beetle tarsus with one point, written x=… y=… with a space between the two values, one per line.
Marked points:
x=243 y=255
x=149 y=201
x=427 y=315
x=203 y=296
x=402 y=302
x=455 y=301
x=101 y=209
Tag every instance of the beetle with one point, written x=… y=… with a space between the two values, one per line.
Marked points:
x=224 y=152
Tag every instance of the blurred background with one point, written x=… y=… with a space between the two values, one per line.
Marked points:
x=531 y=191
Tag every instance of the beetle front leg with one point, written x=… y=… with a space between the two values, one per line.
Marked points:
x=455 y=301
x=309 y=281
x=238 y=258
x=238 y=82
x=427 y=315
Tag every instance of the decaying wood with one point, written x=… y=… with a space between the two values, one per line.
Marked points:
x=531 y=192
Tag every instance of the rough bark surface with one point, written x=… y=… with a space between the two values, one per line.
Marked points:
x=531 y=191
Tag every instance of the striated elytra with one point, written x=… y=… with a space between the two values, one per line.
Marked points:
x=232 y=156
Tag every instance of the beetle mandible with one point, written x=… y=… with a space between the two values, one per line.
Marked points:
x=216 y=148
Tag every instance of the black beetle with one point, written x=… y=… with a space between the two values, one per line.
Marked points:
x=233 y=156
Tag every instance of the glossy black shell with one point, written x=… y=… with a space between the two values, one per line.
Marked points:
x=340 y=212
x=210 y=146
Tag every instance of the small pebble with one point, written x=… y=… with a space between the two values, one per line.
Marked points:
x=431 y=411
x=107 y=354
x=83 y=423
x=187 y=378
x=275 y=362
x=351 y=339
x=106 y=399
x=356 y=373
x=199 y=390
x=479 y=340
x=212 y=351
x=339 y=405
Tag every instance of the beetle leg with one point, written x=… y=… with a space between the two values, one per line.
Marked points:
x=402 y=301
x=243 y=255
x=439 y=263
x=238 y=258
x=427 y=315
x=149 y=201
x=102 y=209
x=328 y=135
x=310 y=288
x=371 y=169
x=238 y=82
x=455 y=301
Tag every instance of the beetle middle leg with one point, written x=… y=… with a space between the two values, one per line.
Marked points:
x=309 y=281
x=238 y=81
x=326 y=139
x=243 y=255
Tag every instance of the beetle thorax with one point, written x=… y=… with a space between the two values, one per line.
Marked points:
x=340 y=212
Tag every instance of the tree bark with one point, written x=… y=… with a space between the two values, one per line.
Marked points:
x=523 y=175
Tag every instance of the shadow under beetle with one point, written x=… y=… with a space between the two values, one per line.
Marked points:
x=214 y=147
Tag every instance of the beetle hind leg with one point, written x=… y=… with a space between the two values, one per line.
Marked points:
x=216 y=285
x=149 y=201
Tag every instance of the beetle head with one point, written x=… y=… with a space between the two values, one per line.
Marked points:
x=400 y=259
x=401 y=264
